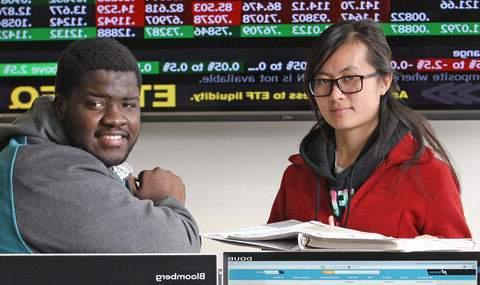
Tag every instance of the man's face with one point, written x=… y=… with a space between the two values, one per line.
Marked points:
x=102 y=115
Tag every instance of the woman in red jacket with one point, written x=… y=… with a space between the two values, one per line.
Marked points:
x=370 y=163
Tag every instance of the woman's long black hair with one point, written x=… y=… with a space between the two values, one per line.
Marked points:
x=392 y=111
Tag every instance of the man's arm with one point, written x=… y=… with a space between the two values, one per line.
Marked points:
x=67 y=201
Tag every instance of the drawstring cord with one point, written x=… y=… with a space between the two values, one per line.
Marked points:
x=350 y=196
x=317 y=201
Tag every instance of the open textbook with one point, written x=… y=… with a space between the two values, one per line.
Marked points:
x=313 y=235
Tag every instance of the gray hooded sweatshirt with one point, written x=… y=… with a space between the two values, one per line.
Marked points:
x=65 y=200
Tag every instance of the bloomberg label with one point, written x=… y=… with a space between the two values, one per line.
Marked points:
x=180 y=277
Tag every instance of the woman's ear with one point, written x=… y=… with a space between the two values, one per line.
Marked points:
x=59 y=106
x=385 y=82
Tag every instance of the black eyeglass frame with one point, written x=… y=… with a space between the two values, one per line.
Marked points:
x=332 y=81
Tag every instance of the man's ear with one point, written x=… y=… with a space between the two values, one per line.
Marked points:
x=59 y=106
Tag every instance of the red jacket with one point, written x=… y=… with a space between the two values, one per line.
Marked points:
x=423 y=199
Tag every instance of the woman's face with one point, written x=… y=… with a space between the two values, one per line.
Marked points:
x=356 y=111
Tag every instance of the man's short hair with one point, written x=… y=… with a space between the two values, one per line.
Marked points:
x=93 y=54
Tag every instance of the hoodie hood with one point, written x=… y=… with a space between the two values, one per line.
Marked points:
x=318 y=152
x=40 y=121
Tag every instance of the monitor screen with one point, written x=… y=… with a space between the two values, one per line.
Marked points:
x=118 y=269
x=241 y=60
x=354 y=268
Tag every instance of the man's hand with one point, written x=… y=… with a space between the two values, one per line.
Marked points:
x=157 y=184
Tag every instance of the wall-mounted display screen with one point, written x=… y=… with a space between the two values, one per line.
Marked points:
x=241 y=60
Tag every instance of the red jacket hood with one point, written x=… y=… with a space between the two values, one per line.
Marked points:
x=399 y=154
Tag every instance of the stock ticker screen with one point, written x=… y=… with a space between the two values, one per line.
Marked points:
x=248 y=57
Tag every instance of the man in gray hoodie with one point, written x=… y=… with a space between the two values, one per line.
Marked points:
x=64 y=184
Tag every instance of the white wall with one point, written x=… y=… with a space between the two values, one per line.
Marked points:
x=232 y=170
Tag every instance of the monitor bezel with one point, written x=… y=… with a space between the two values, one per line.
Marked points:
x=250 y=116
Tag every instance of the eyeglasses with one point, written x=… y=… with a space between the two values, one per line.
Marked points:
x=347 y=84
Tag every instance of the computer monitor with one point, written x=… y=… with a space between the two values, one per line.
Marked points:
x=118 y=269
x=353 y=268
